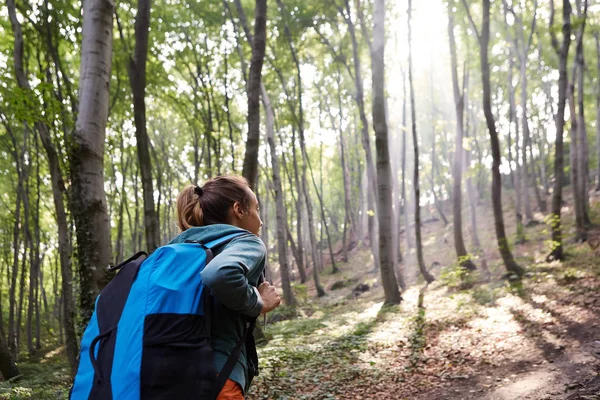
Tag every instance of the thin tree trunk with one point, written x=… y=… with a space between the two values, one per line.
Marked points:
x=518 y=181
x=12 y=334
x=366 y=143
x=583 y=155
x=23 y=278
x=503 y=246
x=472 y=195
x=384 y=187
x=309 y=212
x=348 y=225
x=437 y=204
x=281 y=217
x=557 y=252
x=317 y=261
x=405 y=199
x=136 y=68
x=88 y=199
x=526 y=135
x=576 y=173
x=459 y=104
x=597 y=37
x=250 y=169
x=428 y=277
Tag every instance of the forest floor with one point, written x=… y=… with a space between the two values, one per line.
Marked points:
x=497 y=339
x=474 y=338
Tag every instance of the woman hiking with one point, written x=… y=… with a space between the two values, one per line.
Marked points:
x=220 y=206
x=178 y=324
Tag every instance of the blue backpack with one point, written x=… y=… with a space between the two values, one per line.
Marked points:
x=149 y=336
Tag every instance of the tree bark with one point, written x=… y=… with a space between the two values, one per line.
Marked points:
x=384 y=178
x=459 y=105
x=348 y=225
x=366 y=143
x=519 y=170
x=505 y=252
x=281 y=217
x=557 y=252
x=250 y=169
x=576 y=173
x=428 y=277
x=309 y=212
x=583 y=154
x=597 y=38
x=405 y=199
x=88 y=199
x=136 y=68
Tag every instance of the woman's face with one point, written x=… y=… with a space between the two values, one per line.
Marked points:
x=248 y=219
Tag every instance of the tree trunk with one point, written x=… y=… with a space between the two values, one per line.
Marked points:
x=8 y=368
x=459 y=104
x=250 y=169
x=405 y=199
x=428 y=277
x=576 y=173
x=597 y=37
x=281 y=217
x=557 y=252
x=437 y=204
x=472 y=195
x=301 y=129
x=366 y=143
x=309 y=212
x=527 y=177
x=503 y=246
x=384 y=187
x=88 y=199
x=299 y=214
x=583 y=154
x=12 y=334
x=137 y=79
x=348 y=225
x=518 y=181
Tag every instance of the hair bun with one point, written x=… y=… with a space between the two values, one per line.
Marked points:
x=198 y=190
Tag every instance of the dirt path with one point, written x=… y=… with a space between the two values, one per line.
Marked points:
x=558 y=356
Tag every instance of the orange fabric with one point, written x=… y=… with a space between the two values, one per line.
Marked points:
x=231 y=391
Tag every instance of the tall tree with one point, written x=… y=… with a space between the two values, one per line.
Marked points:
x=484 y=38
x=88 y=199
x=428 y=277
x=459 y=105
x=136 y=68
x=259 y=43
x=384 y=173
x=405 y=198
x=557 y=252
x=364 y=125
x=597 y=39
x=583 y=154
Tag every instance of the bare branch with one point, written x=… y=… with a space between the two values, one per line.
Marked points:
x=473 y=26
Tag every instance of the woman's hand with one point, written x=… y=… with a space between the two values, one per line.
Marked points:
x=270 y=297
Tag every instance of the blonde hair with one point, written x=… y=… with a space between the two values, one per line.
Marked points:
x=210 y=204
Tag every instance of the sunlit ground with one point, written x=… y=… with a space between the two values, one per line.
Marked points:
x=491 y=341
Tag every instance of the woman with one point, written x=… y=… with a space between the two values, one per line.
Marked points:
x=214 y=210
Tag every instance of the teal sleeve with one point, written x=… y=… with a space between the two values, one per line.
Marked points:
x=227 y=275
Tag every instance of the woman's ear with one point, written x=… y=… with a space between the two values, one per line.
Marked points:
x=238 y=210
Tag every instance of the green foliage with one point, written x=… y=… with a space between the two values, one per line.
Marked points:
x=46 y=379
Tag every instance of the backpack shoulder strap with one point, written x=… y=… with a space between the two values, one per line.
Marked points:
x=232 y=359
x=209 y=246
